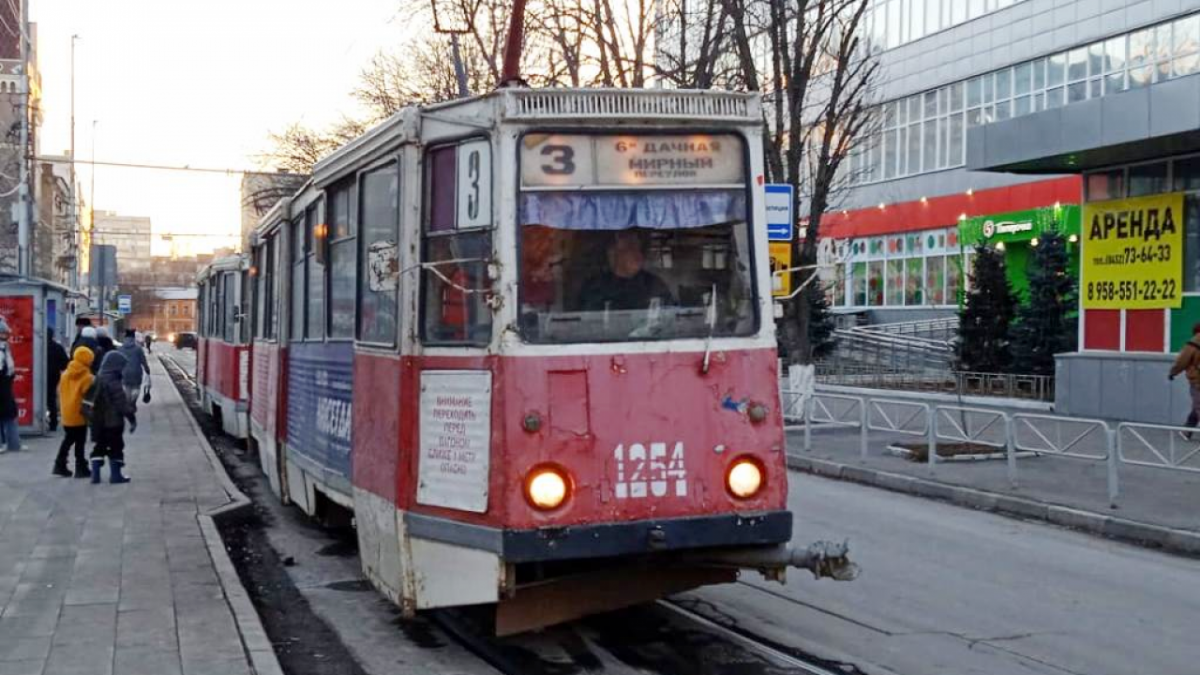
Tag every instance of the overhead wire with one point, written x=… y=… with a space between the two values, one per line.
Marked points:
x=157 y=167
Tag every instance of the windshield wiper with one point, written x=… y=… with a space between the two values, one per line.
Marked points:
x=712 y=325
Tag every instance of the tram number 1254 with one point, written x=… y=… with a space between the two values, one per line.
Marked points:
x=642 y=474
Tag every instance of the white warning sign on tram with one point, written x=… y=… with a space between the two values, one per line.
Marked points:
x=455 y=428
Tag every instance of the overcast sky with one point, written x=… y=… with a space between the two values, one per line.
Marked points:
x=185 y=82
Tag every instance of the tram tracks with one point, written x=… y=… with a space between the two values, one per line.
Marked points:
x=665 y=638
x=181 y=370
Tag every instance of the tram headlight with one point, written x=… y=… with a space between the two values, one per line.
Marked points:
x=745 y=477
x=547 y=487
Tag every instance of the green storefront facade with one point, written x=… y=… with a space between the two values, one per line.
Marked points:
x=1017 y=233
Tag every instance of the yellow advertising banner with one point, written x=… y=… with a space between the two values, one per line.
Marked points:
x=781 y=259
x=1132 y=256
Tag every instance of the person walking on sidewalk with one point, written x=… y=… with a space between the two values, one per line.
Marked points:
x=1188 y=362
x=74 y=386
x=56 y=363
x=87 y=338
x=109 y=412
x=80 y=323
x=106 y=342
x=9 y=431
x=136 y=366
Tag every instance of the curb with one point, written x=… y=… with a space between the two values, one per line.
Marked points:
x=1173 y=540
x=254 y=637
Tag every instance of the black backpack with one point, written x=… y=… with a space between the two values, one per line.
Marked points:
x=87 y=407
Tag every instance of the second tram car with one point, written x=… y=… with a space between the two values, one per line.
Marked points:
x=222 y=348
x=526 y=339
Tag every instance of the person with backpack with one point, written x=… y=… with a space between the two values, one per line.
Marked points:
x=71 y=391
x=136 y=366
x=87 y=338
x=110 y=409
x=1188 y=362
x=106 y=342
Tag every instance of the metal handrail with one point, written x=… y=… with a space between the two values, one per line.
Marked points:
x=1023 y=432
x=1034 y=387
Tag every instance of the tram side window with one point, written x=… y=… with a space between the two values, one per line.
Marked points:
x=201 y=315
x=316 y=273
x=218 y=315
x=229 y=301
x=342 y=261
x=457 y=245
x=269 y=272
x=259 y=280
x=379 y=284
x=242 y=310
x=298 y=282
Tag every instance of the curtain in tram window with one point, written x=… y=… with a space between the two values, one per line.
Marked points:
x=659 y=210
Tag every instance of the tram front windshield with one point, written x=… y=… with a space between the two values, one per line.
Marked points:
x=651 y=262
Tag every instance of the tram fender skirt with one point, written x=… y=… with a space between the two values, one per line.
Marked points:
x=572 y=597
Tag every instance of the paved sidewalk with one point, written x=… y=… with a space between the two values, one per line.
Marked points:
x=118 y=579
x=1157 y=507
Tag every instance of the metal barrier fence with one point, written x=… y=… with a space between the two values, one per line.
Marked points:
x=1143 y=450
x=909 y=418
x=1156 y=446
x=1078 y=438
x=884 y=376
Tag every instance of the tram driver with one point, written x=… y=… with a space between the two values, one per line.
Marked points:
x=626 y=284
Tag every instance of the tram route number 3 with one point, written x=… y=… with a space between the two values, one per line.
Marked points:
x=474 y=159
x=650 y=471
x=562 y=160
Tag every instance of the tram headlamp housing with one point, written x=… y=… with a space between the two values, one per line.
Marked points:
x=745 y=477
x=547 y=487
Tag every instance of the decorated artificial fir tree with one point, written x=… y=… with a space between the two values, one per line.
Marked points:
x=983 y=331
x=1046 y=325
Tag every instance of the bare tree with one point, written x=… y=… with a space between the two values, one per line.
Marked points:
x=424 y=74
x=695 y=49
x=817 y=78
x=298 y=147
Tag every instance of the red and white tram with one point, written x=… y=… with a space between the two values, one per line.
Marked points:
x=222 y=347
x=526 y=339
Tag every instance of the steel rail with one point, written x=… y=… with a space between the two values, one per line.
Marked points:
x=747 y=641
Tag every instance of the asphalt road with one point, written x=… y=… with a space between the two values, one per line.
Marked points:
x=950 y=590
x=944 y=590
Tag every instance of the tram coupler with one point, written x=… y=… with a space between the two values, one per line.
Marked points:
x=825 y=559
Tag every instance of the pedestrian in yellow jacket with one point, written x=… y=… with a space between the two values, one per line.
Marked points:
x=71 y=390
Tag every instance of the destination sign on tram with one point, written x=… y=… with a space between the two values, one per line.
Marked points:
x=557 y=160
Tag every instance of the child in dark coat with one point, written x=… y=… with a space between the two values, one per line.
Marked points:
x=109 y=412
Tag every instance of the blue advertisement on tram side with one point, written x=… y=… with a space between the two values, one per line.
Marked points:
x=320 y=395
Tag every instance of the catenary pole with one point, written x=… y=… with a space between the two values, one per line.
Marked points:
x=25 y=201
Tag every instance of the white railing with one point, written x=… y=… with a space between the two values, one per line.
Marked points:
x=908 y=418
x=1157 y=446
x=1074 y=437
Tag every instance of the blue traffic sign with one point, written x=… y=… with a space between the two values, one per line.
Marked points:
x=781 y=225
